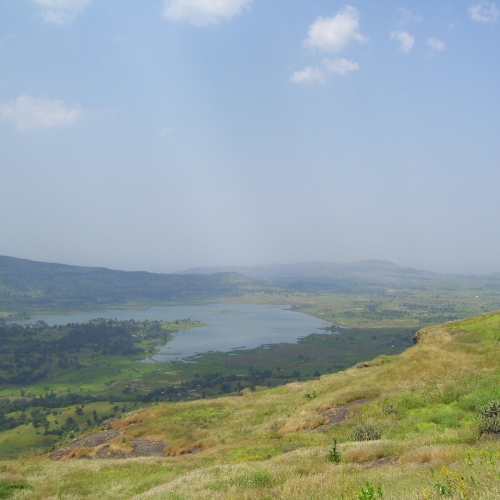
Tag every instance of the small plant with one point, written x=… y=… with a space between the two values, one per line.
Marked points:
x=368 y=492
x=442 y=489
x=489 y=416
x=451 y=482
x=389 y=409
x=365 y=432
x=333 y=453
x=310 y=395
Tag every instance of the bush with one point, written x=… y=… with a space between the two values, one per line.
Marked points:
x=8 y=488
x=368 y=492
x=389 y=409
x=333 y=453
x=365 y=432
x=489 y=416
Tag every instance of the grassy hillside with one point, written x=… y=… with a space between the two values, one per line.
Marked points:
x=417 y=412
x=29 y=285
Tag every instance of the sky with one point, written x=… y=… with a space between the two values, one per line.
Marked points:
x=166 y=134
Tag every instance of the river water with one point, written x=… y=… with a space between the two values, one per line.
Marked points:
x=229 y=326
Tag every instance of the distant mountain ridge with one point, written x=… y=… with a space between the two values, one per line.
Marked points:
x=26 y=283
x=374 y=269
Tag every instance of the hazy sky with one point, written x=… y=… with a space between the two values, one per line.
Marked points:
x=159 y=135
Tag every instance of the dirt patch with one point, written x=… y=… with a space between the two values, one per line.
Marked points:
x=335 y=416
x=105 y=444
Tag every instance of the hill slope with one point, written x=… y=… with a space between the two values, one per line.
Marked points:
x=345 y=277
x=418 y=408
x=28 y=284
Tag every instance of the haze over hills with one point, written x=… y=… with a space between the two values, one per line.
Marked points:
x=26 y=284
x=363 y=271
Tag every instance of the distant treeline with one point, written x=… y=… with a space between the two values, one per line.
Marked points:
x=224 y=383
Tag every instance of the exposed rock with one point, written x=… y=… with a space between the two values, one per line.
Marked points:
x=146 y=448
x=338 y=414
x=417 y=337
x=108 y=424
x=106 y=444
x=90 y=441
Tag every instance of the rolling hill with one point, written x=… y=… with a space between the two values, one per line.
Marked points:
x=29 y=284
x=347 y=277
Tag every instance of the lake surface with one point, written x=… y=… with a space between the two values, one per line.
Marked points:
x=230 y=326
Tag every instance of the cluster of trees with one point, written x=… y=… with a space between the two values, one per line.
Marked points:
x=222 y=383
x=43 y=406
x=29 y=352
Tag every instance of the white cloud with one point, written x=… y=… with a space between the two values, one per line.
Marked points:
x=407 y=16
x=61 y=12
x=203 y=12
x=308 y=75
x=333 y=34
x=436 y=44
x=27 y=113
x=339 y=66
x=484 y=12
x=406 y=41
x=311 y=75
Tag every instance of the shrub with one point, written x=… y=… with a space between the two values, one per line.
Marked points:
x=311 y=395
x=333 y=453
x=368 y=492
x=489 y=416
x=365 y=432
x=389 y=409
x=7 y=488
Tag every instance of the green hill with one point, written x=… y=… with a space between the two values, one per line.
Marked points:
x=25 y=284
x=405 y=427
